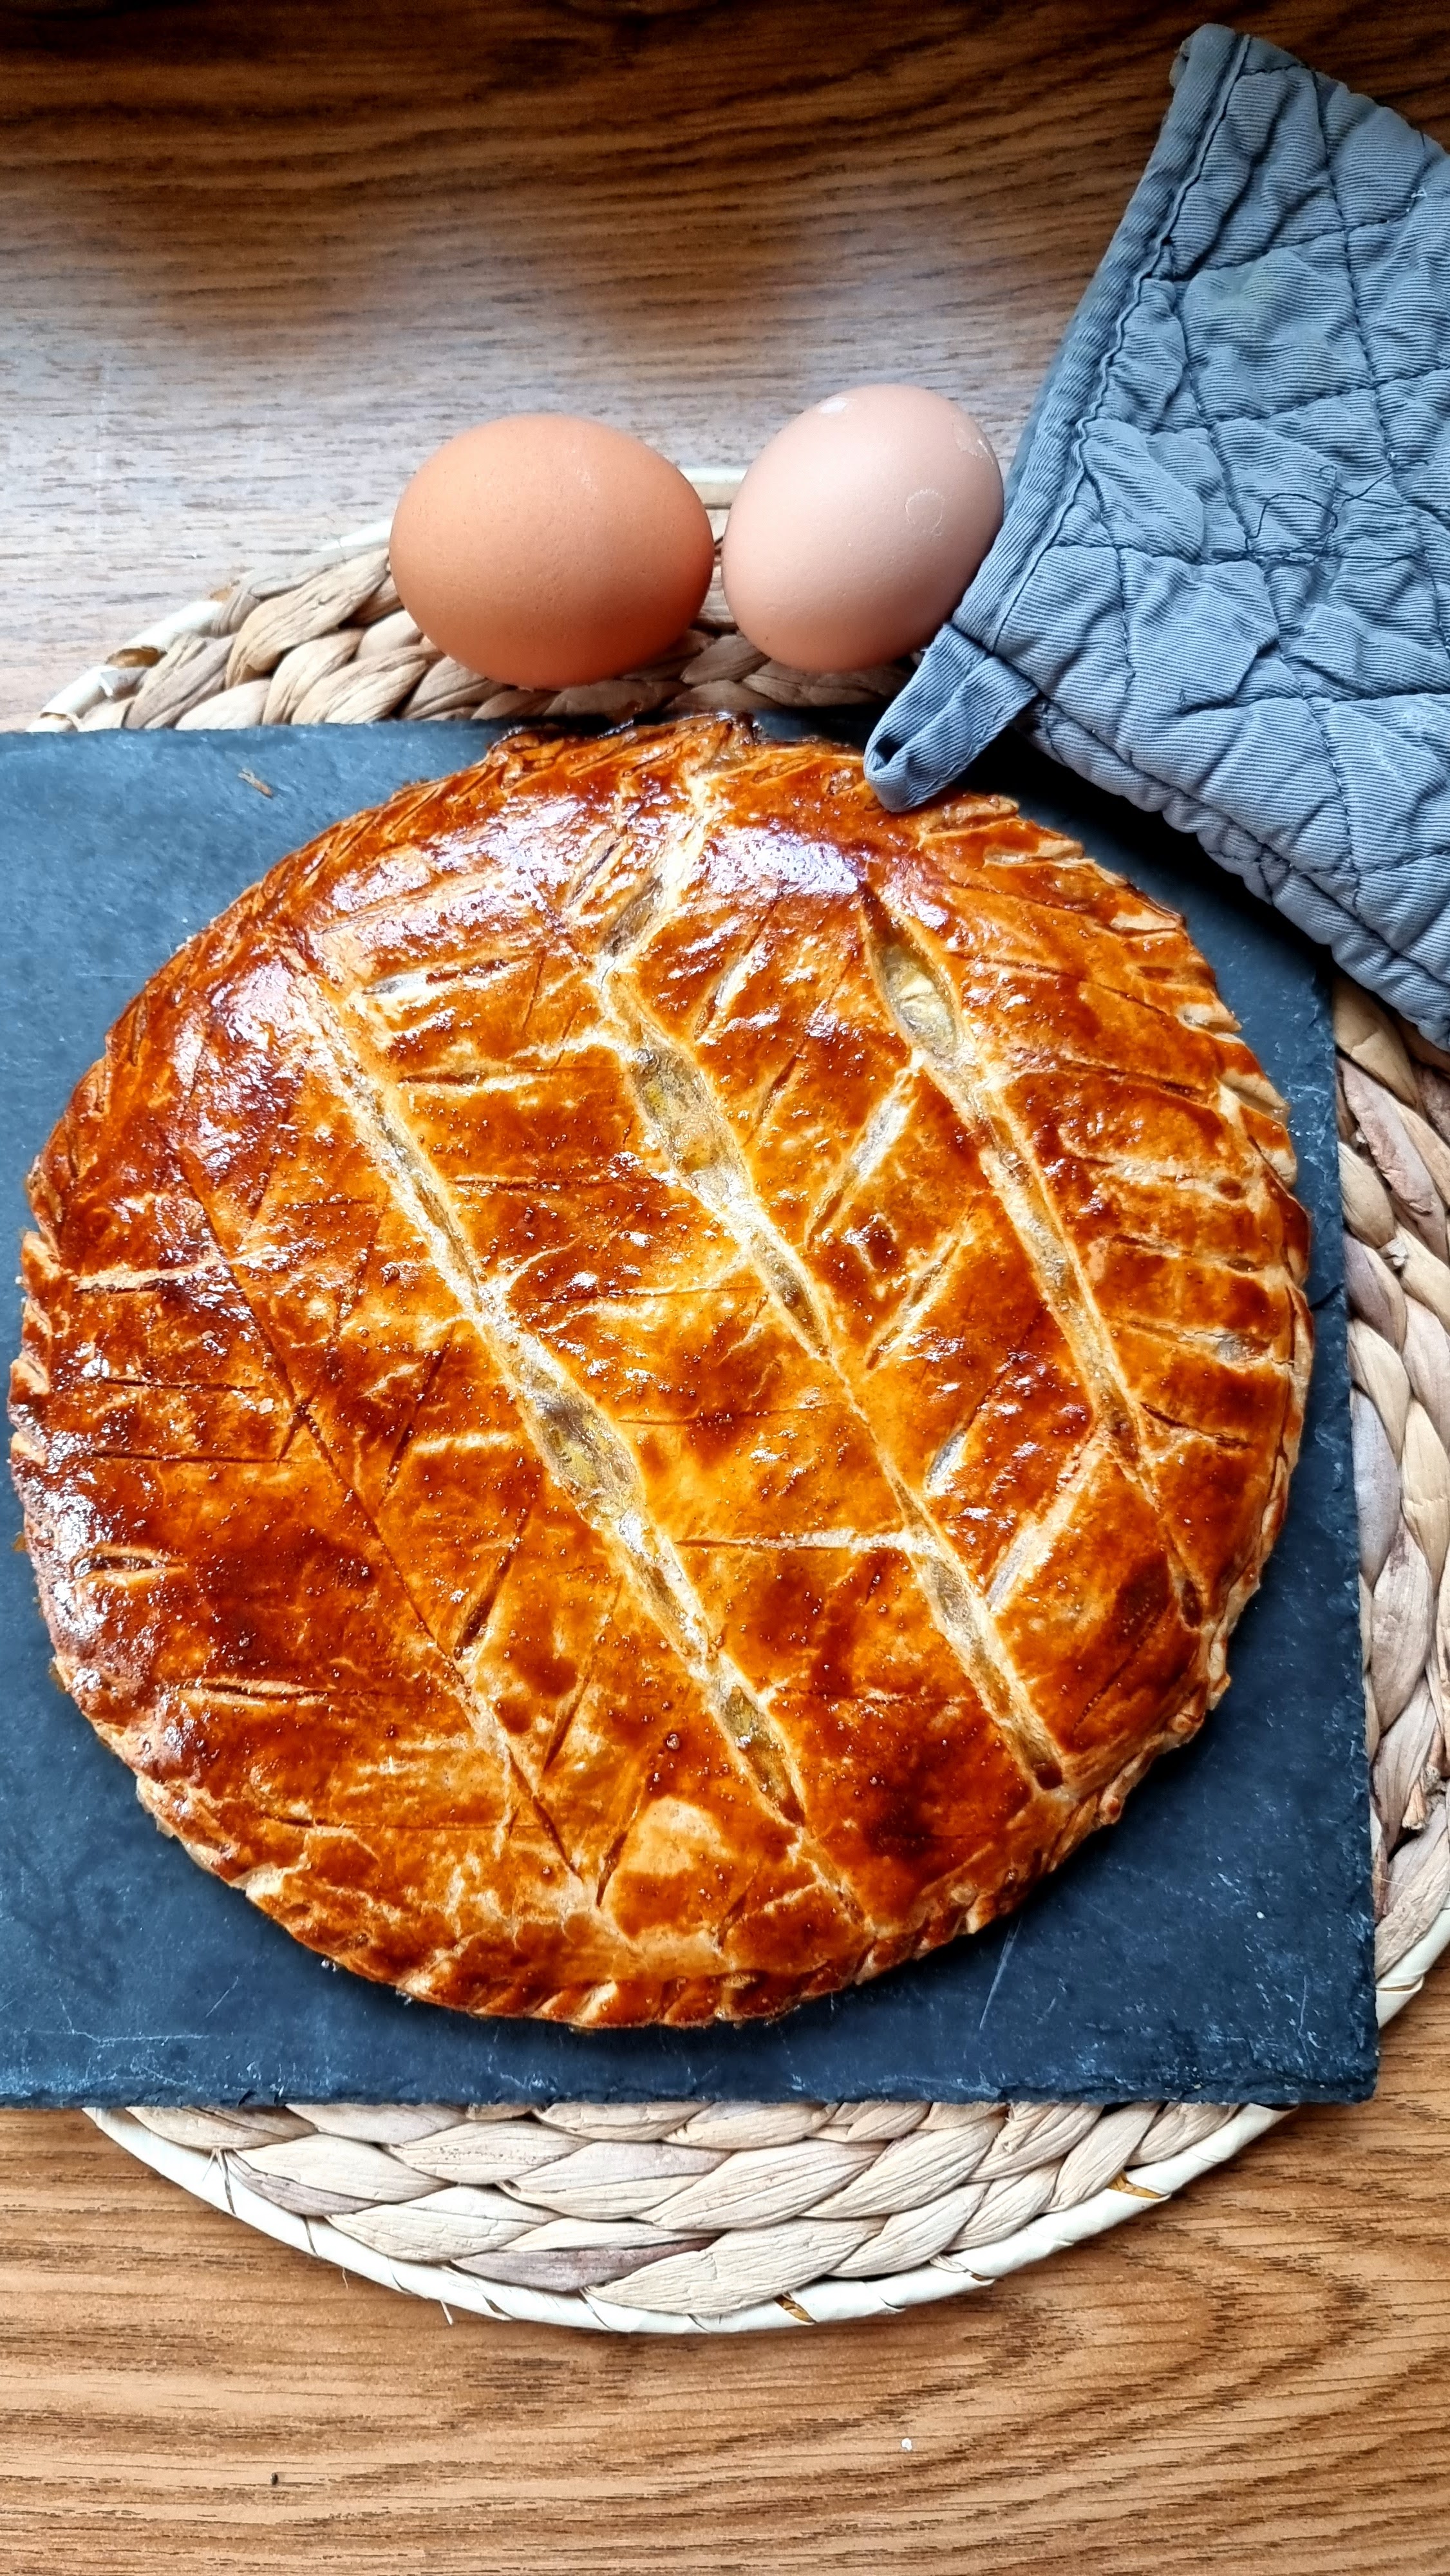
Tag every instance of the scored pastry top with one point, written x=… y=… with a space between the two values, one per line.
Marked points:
x=647 y=1389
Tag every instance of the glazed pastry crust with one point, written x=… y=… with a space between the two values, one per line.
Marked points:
x=647 y=1389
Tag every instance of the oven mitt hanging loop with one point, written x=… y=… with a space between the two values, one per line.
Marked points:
x=1222 y=587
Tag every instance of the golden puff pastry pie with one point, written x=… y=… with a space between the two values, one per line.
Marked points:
x=647 y=1389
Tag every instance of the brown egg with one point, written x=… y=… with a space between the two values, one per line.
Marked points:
x=858 y=528
x=544 y=551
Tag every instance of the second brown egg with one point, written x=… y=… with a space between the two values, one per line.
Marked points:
x=858 y=528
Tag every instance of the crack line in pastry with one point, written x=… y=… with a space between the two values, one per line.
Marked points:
x=1230 y=1347
x=573 y=1437
x=868 y=1149
x=1146 y=1174
x=689 y=1131
x=415 y=1415
x=901 y=1326
x=1034 y=1543
x=123 y=1283
x=928 y=1018
x=497 y=1739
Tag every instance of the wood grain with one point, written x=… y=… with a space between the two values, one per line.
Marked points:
x=258 y=259
x=255 y=270
x=1253 y=2374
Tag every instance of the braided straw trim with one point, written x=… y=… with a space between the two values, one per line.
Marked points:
x=672 y=2217
x=330 y=642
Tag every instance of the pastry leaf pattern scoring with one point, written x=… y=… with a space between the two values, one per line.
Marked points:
x=647 y=1389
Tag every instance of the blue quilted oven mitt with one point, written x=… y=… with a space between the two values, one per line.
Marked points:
x=1222 y=587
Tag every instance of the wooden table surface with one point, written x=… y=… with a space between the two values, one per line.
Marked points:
x=258 y=260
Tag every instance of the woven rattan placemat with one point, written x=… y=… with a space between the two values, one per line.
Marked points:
x=679 y=2216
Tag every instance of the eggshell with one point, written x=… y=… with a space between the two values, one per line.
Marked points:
x=543 y=550
x=858 y=528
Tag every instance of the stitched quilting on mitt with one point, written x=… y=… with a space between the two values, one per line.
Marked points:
x=1223 y=585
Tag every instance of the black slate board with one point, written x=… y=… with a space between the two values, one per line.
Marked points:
x=1216 y=1945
